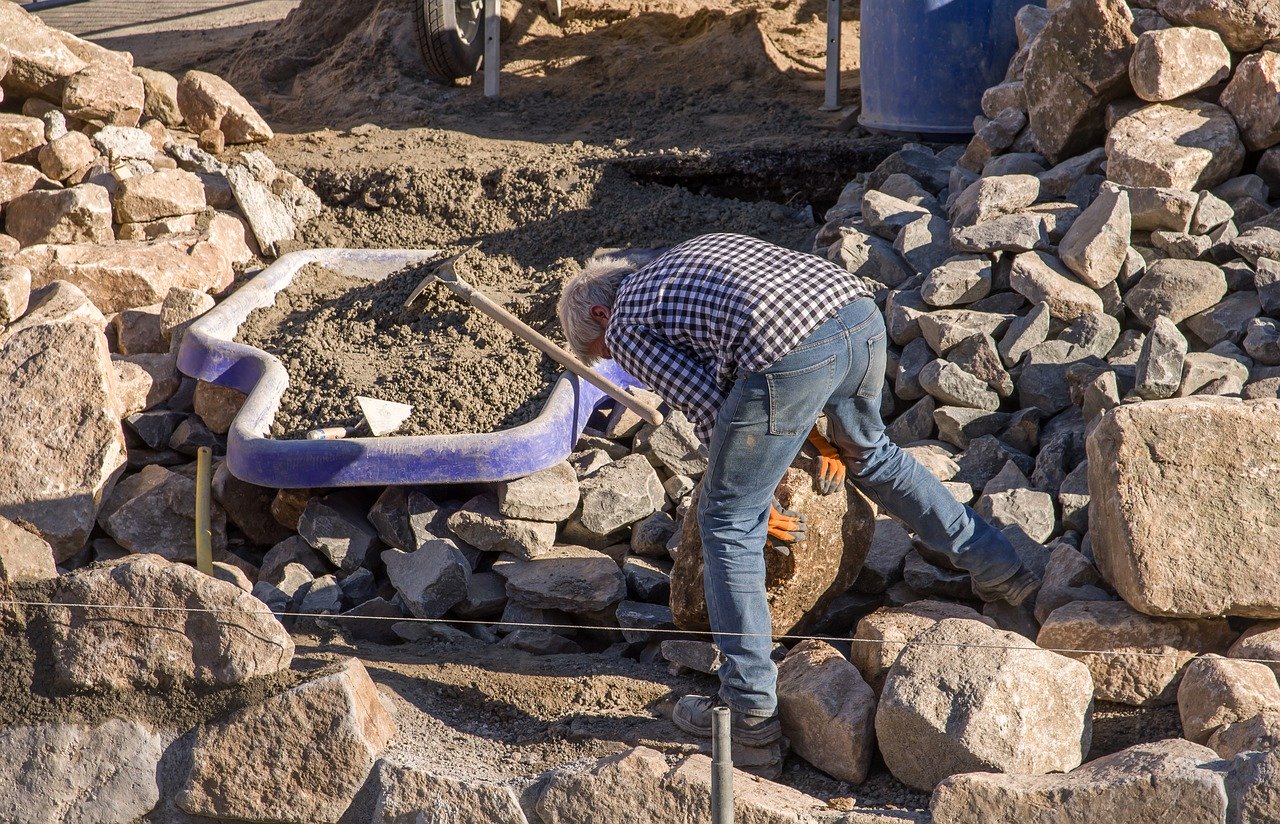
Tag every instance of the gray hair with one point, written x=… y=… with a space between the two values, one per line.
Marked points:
x=596 y=285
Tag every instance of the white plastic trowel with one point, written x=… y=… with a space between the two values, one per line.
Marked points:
x=380 y=418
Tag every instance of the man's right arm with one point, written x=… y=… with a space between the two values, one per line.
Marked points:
x=682 y=380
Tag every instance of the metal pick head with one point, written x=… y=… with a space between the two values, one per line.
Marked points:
x=441 y=271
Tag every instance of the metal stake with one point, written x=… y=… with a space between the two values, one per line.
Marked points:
x=492 y=58
x=204 y=492
x=721 y=767
x=832 y=102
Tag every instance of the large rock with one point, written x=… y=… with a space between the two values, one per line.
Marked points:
x=1171 y=547
x=798 y=584
x=153 y=512
x=1076 y=66
x=480 y=523
x=620 y=493
x=1253 y=98
x=827 y=710
x=67 y=156
x=1217 y=691
x=1144 y=784
x=1245 y=25
x=227 y=639
x=1260 y=642
x=1139 y=659
x=549 y=495
x=24 y=556
x=166 y=193
x=209 y=102
x=335 y=526
x=17 y=179
x=90 y=774
x=298 y=757
x=81 y=214
x=1176 y=289
x=160 y=96
x=104 y=93
x=1169 y=63
x=1186 y=144
x=61 y=444
x=568 y=578
x=41 y=62
x=1097 y=244
x=430 y=580
x=412 y=795
x=1041 y=278
x=1000 y=705
x=881 y=636
x=126 y=274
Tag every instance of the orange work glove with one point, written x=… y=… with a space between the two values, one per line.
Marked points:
x=829 y=472
x=785 y=526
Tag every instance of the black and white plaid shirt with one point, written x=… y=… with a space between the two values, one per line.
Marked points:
x=688 y=322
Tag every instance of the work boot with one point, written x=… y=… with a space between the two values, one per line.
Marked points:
x=1015 y=589
x=693 y=715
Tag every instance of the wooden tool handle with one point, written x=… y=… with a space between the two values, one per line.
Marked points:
x=563 y=356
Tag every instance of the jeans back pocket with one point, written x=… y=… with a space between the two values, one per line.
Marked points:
x=798 y=395
x=873 y=382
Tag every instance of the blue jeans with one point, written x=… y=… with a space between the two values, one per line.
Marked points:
x=838 y=369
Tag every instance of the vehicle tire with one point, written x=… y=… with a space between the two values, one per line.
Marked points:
x=450 y=37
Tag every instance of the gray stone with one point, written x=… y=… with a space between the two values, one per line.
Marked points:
x=952 y=385
x=1097 y=244
x=827 y=711
x=153 y=512
x=673 y=446
x=886 y=215
x=1187 y=144
x=1073 y=498
x=881 y=636
x=902 y=311
x=984 y=459
x=924 y=243
x=946 y=328
x=883 y=566
x=1007 y=95
x=978 y=356
x=432 y=579
x=1262 y=341
x=123 y=143
x=868 y=256
x=1173 y=62
x=934 y=458
x=481 y=524
x=324 y=596
x=1021 y=232
x=569 y=578
x=1245 y=25
x=1216 y=692
x=1155 y=208
x=1176 y=289
x=973 y=713
x=408 y=795
x=1208 y=374
x=335 y=526
x=637 y=620
x=1095 y=332
x=1211 y=212
x=620 y=494
x=932 y=580
x=1068 y=577
x=1159 y=368
x=549 y=495
x=649 y=537
x=1028 y=508
x=648 y=580
x=993 y=137
x=1024 y=333
x=1142 y=784
x=266 y=213
x=1257 y=243
x=1062 y=178
x=957 y=280
x=1182 y=246
x=915 y=424
x=1253 y=784
x=906 y=373
x=75 y=215
x=1042 y=383
x=1227 y=320
x=993 y=197
x=1042 y=278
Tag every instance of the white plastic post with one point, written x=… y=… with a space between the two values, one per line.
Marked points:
x=492 y=58
x=832 y=101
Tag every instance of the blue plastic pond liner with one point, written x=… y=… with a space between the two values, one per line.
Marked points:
x=926 y=63
x=210 y=353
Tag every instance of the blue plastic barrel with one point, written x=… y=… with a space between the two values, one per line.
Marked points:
x=926 y=63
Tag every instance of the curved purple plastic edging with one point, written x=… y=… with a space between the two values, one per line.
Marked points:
x=209 y=353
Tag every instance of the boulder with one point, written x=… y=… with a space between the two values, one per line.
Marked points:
x=1040 y=277
x=299 y=757
x=160 y=96
x=619 y=494
x=16 y=179
x=41 y=62
x=1217 y=691
x=480 y=523
x=15 y=293
x=1178 y=549
x=1075 y=67
x=1170 y=63
x=209 y=102
x=549 y=495
x=1258 y=733
x=1185 y=144
x=104 y=93
x=1176 y=289
x=153 y=512
x=1245 y=25
x=414 y=795
x=105 y=773
x=1097 y=244
x=1253 y=98
x=991 y=197
x=432 y=579
x=1139 y=785
x=568 y=578
x=798 y=584
x=225 y=640
x=335 y=526
x=1068 y=577
x=59 y=380
x=167 y=193
x=1139 y=660
x=80 y=214
x=1001 y=705
x=827 y=711
x=1260 y=642
x=67 y=156
x=24 y=556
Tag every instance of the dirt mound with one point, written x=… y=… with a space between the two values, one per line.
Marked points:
x=339 y=337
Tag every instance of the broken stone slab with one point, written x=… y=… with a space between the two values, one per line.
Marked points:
x=1002 y=705
x=915 y=424
x=480 y=523
x=1096 y=332
x=1068 y=577
x=1028 y=508
x=432 y=579
x=137 y=331
x=1217 y=691
x=801 y=583
x=1245 y=25
x=323 y=597
x=24 y=556
x=1097 y=244
x=827 y=711
x=67 y=156
x=335 y=526
x=881 y=636
x=637 y=620
x=1141 y=783
x=406 y=794
x=1020 y=232
x=1175 y=550
x=1187 y=144
x=1137 y=660
x=60 y=379
x=650 y=536
x=75 y=215
x=206 y=101
x=619 y=494
x=1259 y=733
x=992 y=197
x=163 y=194
x=225 y=640
x=154 y=512
x=549 y=495
x=568 y=578
x=1176 y=289
x=485 y=598
x=1172 y=62
x=1160 y=363
x=261 y=762
x=406 y=517
x=292 y=550
x=122 y=144
x=106 y=773
x=1258 y=243
x=1077 y=64
x=957 y=280
x=102 y=93
x=265 y=212
x=1042 y=278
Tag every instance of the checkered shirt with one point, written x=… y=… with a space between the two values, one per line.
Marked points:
x=695 y=317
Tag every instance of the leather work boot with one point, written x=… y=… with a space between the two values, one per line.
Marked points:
x=1015 y=589
x=693 y=715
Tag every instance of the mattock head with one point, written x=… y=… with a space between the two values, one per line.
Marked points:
x=441 y=271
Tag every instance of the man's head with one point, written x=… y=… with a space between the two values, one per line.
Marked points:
x=586 y=302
